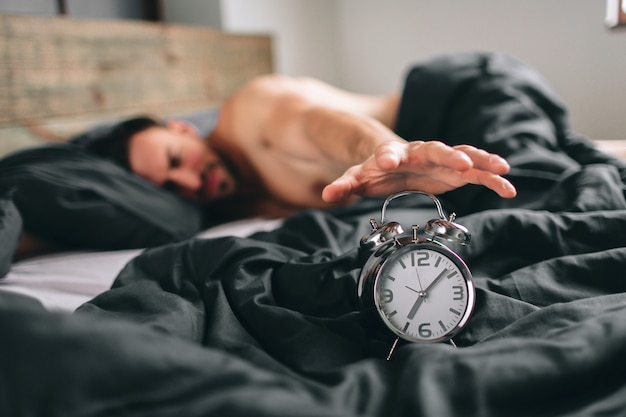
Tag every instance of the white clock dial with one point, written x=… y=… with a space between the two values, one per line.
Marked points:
x=424 y=293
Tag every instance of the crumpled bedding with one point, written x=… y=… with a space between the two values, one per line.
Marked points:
x=270 y=326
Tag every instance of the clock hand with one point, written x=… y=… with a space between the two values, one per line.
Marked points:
x=418 y=302
x=412 y=289
x=422 y=294
x=420 y=299
x=419 y=281
x=436 y=280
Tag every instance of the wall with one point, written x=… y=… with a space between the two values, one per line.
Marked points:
x=303 y=32
x=366 y=45
x=93 y=9
x=565 y=39
x=39 y=7
x=194 y=12
x=98 y=9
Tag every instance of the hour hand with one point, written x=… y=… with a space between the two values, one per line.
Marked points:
x=416 y=305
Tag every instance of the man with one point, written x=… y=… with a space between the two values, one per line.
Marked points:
x=281 y=145
x=284 y=144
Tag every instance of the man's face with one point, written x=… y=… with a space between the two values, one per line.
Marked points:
x=176 y=157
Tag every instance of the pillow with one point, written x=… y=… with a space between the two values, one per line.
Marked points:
x=68 y=195
x=203 y=121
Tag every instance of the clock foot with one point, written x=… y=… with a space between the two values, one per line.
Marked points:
x=393 y=348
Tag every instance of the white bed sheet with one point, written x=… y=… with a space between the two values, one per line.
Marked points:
x=63 y=281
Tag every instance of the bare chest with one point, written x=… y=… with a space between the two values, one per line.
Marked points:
x=292 y=179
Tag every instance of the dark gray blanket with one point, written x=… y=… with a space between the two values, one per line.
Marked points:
x=269 y=325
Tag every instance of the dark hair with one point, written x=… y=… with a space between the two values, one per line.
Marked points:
x=112 y=142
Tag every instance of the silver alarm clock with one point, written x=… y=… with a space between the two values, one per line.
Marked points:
x=416 y=289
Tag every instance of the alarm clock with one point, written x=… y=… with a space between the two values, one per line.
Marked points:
x=413 y=288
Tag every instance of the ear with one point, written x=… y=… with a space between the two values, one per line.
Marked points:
x=182 y=126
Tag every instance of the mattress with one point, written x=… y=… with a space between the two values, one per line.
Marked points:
x=65 y=280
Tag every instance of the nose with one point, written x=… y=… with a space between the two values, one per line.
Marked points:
x=186 y=179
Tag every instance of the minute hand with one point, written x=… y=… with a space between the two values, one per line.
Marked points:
x=436 y=280
x=422 y=294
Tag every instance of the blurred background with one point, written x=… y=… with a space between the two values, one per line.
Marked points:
x=367 y=45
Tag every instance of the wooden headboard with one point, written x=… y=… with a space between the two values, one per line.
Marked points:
x=59 y=76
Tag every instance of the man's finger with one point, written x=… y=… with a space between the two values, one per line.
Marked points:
x=435 y=153
x=503 y=187
x=484 y=160
x=338 y=190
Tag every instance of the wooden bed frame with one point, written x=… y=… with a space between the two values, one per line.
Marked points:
x=59 y=75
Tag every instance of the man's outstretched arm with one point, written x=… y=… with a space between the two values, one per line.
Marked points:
x=431 y=167
x=353 y=148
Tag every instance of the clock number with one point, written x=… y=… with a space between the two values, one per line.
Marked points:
x=424 y=330
x=422 y=257
x=458 y=292
x=386 y=296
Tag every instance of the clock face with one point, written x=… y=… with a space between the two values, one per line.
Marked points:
x=424 y=293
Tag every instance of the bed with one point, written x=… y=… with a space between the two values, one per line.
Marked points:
x=261 y=317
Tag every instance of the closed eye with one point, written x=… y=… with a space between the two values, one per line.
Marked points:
x=174 y=159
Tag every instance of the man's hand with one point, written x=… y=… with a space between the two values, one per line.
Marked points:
x=431 y=167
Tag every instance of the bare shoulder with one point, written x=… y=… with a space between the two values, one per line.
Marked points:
x=271 y=85
x=246 y=116
x=299 y=93
x=314 y=92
